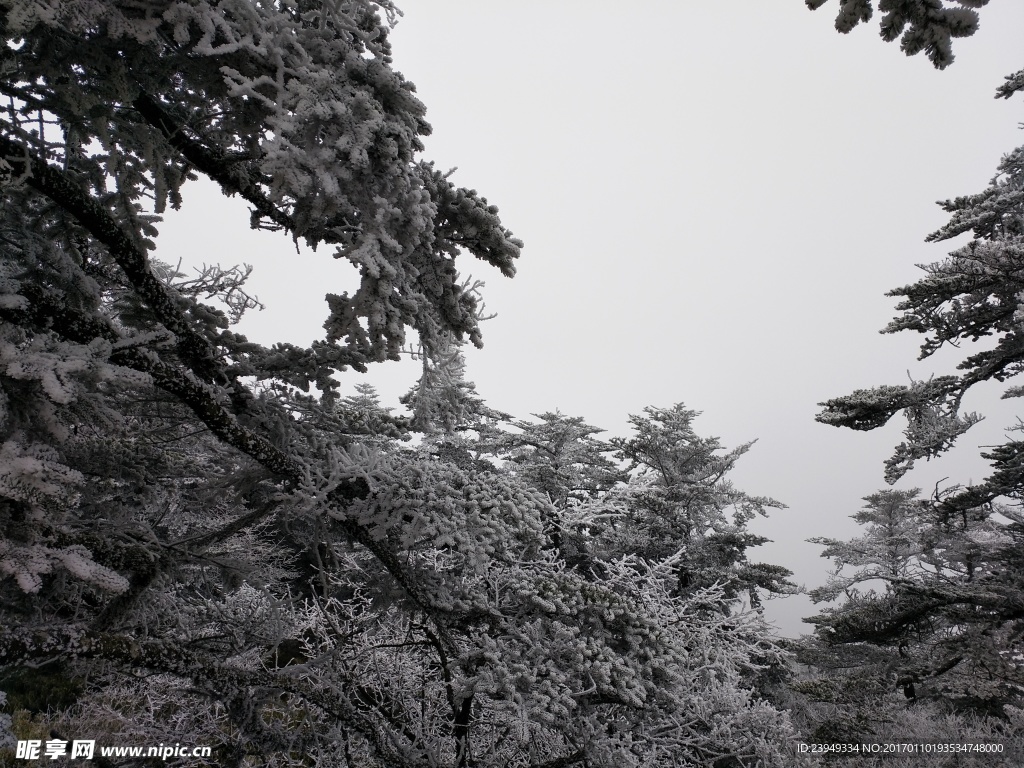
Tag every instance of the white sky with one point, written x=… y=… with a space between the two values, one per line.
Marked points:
x=714 y=199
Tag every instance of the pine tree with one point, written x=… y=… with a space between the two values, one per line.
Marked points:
x=961 y=602
x=945 y=628
x=679 y=500
x=161 y=475
x=443 y=403
x=929 y=620
x=561 y=457
x=972 y=294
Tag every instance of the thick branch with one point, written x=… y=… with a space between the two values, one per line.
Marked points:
x=561 y=762
x=228 y=530
x=234 y=176
x=58 y=187
x=46 y=311
x=211 y=162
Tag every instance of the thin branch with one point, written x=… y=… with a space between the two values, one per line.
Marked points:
x=211 y=674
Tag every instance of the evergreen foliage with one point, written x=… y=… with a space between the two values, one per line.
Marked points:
x=680 y=500
x=945 y=624
x=933 y=587
x=199 y=535
x=927 y=26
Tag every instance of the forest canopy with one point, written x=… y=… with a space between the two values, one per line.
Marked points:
x=203 y=523
x=203 y=534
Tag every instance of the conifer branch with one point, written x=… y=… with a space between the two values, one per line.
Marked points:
x=48 y=312
x=230 y=173
x=211 y=674
x=56 y=185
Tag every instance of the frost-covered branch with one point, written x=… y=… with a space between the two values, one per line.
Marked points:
x=208 y=407
x=217 y=679
x=920 y=25
x=58 y=187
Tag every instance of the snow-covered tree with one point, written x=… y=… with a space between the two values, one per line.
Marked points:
x=932 y=591
x=953 y=574
x=944 y=623
x=443 y=403
x=198 y=535
x=679 y=500
x=560 y=457
x=160 y=474
x=974 y=293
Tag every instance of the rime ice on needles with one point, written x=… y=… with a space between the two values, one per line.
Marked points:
x=199 y=522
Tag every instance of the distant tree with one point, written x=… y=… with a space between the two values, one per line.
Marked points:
x=679 y=500
x=560 y=456
x=919 y=25
x=443 y=403
x=944 y=624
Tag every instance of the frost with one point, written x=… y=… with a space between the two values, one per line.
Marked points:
x=990 y=538
x=27 y=565
x=7 y=738
x=201 y=528
x=35 y=475
x=78 y=561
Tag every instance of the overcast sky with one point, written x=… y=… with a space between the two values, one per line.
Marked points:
x=714 y=199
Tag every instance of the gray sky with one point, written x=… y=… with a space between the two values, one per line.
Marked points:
x=714 y=199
